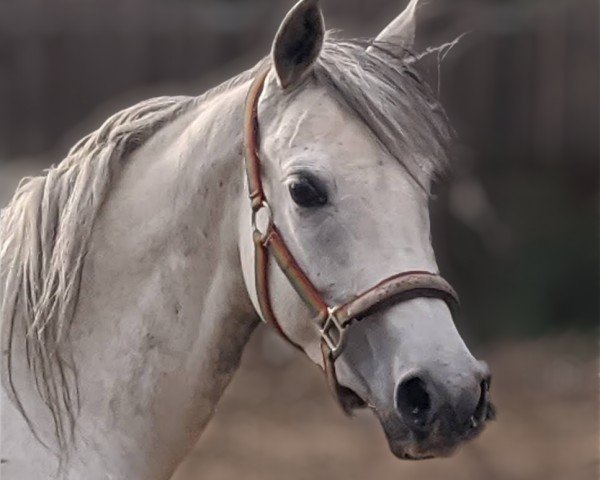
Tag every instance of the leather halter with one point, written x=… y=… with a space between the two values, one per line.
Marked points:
x=332 y=321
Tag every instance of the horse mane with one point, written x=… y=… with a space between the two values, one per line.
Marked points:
x=44 y=236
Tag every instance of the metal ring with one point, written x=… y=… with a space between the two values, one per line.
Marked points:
x=264 y=205
x=335 y=345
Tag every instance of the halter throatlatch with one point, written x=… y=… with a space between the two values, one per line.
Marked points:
x=331 y=321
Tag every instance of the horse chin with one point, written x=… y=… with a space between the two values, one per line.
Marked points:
x=416 y=450
x=439 y=442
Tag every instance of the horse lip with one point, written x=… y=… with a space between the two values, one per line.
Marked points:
x=349 y=399
x=491 y=412
x=487 y=414
x=408 y=456
x=477 y=425
x=439 y=444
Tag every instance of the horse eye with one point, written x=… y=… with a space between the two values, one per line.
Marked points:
x=308 y=192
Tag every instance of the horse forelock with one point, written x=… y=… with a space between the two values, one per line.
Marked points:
x=386 y=92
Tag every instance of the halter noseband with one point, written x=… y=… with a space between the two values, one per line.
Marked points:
x=332 y=322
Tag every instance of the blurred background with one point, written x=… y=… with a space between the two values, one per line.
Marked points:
x=515 y=224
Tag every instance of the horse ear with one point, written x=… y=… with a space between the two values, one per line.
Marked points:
x=298 y=42
x=399 y=35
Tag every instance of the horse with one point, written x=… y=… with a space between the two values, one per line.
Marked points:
x=297 y=193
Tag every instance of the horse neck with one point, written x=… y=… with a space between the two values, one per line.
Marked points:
x=163 y=314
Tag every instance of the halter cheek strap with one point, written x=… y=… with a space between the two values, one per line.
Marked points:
x=331 y=321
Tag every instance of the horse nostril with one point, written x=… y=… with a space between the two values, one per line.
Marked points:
x=413 y=402
x=486 y=384
x=481 y=411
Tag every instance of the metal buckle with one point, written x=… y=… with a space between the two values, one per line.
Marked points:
x=264 y=205
x=335 y=343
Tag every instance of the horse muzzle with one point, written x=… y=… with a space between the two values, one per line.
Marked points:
x=431 y=419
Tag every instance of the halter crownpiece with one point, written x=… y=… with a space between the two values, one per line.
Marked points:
x=332 y=321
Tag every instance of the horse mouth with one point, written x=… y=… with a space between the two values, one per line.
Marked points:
x=349 y=399
x=408 y=456
x=441 y=440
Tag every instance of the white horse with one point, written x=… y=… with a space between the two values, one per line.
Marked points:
x=131 y=283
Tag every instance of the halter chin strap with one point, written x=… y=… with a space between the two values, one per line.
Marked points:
x=331 y=321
